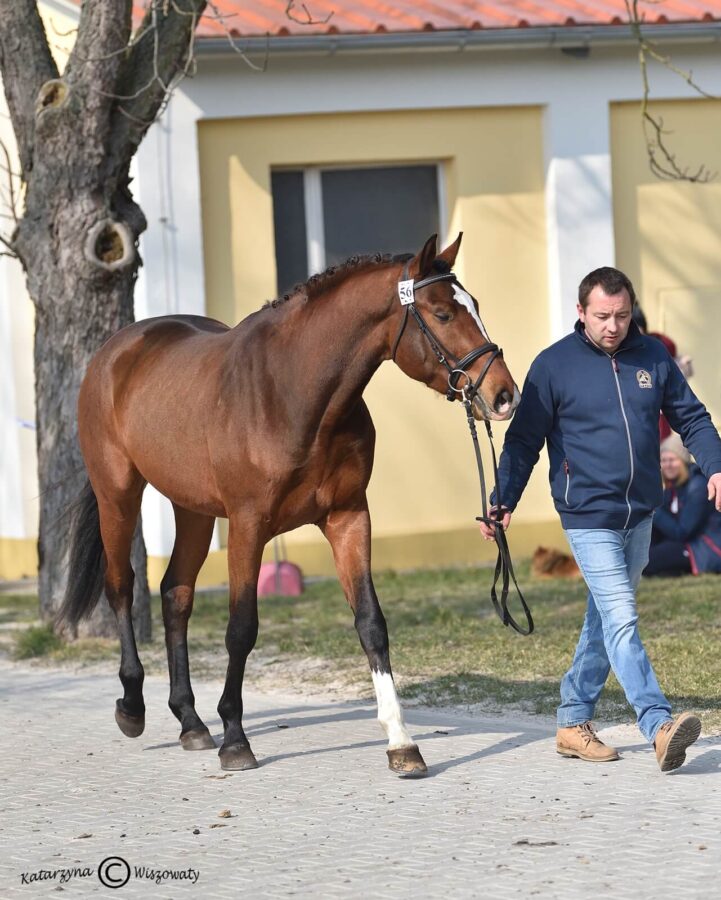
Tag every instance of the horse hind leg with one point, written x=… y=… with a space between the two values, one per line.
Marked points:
x=192 y=540
x=118 y=511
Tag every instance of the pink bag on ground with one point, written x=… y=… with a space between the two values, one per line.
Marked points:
x=280 y=578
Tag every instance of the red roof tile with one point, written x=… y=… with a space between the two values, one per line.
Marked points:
x=260 y=17
x=254 y=18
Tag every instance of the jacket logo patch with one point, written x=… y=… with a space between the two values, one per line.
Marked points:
x=644 y=379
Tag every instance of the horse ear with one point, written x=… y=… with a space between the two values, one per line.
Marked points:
x=421 y=264
x=451 y=251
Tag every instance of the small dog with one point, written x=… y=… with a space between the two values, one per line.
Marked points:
x=549 y=563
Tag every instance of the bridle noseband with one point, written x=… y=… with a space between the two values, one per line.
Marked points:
x=504 y=566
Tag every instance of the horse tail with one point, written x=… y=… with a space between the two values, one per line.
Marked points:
x=86 y=567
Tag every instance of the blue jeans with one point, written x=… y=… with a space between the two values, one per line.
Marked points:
x=611 y=562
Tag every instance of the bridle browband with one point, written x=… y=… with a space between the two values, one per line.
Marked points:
x=407 y=288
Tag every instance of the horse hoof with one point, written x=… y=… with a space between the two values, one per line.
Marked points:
x=237 y=758
x=407 y=761
x=197 y=739
x=131 y=726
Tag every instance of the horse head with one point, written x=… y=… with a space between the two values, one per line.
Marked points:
x=447 y=346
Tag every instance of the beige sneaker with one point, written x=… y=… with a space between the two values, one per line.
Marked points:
x=582 y=742
x=672 y=739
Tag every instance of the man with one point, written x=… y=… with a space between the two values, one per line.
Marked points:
x=595 y=398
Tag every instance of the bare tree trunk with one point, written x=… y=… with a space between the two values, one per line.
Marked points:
x=77 y=237
x=80 y=302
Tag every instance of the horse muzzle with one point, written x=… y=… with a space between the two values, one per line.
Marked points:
x=503 y=408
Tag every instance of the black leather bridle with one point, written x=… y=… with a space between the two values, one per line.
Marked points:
x=456 y=368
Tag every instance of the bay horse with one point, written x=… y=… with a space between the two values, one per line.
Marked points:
x=263 y=424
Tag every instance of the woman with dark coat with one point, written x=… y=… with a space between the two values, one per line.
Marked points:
x=686 y=534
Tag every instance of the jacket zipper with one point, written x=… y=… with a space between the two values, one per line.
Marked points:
x=568 y=481
x=614 y=367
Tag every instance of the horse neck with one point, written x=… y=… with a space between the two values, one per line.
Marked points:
x=339 y=339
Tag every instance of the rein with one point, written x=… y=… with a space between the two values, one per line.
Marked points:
x=504 y=565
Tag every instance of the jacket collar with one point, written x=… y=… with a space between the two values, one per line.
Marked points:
x=634 y=338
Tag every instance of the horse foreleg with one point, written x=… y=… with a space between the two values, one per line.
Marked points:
x=192 y=540
x=244 y=555
x=348 y=533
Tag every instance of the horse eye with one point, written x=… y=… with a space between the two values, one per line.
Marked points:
x=443 y=316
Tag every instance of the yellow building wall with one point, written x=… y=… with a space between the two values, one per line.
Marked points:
x=18 y=558
x=668 y=234
x=423 y=494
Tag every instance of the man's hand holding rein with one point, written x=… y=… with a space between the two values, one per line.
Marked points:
x=489 y=532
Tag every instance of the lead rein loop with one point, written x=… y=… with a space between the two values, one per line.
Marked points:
x=504 y=565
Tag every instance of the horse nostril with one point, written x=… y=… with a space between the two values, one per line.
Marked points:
x=503 y=401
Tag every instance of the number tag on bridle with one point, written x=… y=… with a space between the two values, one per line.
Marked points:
x=405 y=292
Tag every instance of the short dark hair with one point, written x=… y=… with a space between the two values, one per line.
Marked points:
x=613 y=281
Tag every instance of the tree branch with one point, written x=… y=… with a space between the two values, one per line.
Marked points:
x=661 y=160
x=25 y=64
x=103 y=30
x=10 y=202
x=93 y=69
x=12 y=251
x=307 y=18
x=152 y=68
x=8 y=244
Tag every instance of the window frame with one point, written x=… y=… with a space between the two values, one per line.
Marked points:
x=313 y=202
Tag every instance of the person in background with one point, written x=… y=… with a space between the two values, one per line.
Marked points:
x=685 y=363
x=686 y=536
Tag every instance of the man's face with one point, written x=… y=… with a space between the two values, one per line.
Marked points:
x=607 y=318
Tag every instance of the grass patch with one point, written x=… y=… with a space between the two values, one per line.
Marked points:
x=448 y=647
x=38 y=640
x=18 y=608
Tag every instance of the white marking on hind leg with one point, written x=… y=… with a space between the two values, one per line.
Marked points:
x=390 y=714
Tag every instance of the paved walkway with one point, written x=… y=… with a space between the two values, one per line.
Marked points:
x=501 y=815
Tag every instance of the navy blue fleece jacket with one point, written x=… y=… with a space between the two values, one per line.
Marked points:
x=598 y=414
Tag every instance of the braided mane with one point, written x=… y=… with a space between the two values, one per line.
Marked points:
x=333 y=275
x=354 y=265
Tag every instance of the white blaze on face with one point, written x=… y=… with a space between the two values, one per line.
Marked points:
x=465 y=300
x=390 y=714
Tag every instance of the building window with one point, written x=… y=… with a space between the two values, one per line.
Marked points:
x=324 y=215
